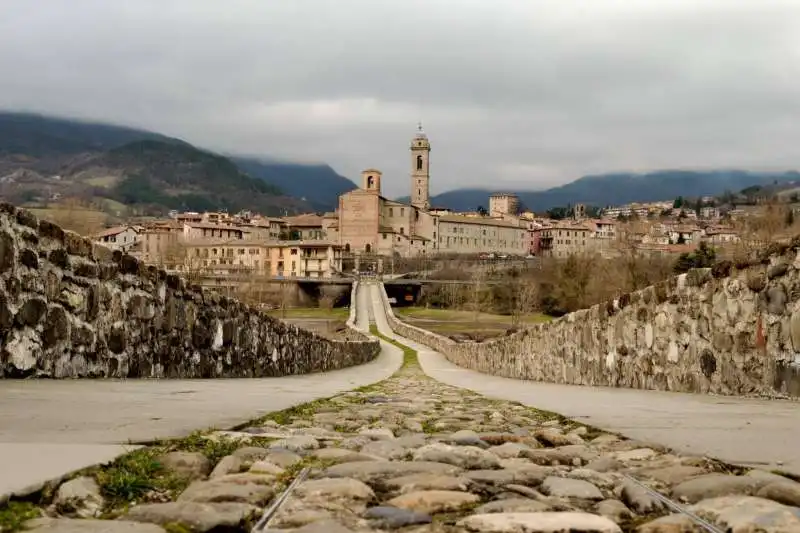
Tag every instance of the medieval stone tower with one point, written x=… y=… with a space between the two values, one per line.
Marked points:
x=420 y=171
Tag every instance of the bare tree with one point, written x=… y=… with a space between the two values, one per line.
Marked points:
x=526 y=297
x=76 y=215
x=478 y=281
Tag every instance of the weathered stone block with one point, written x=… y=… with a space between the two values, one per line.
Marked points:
x=8 y=252
x=31 y=312
x=756 y=282
x=27 y=219
x=777 y=270
x=49 y=230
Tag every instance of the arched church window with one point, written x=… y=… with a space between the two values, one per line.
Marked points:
x=367 y=248
x=419 y=162
x=347 y=247
x=370 y=182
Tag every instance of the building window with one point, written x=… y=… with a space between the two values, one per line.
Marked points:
x=391 y=211
x=293 y=251
x=402 y=211
x=383 y=235
x=402 y=231
x=419 y=162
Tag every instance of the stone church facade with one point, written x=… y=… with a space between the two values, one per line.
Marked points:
x=366 y=222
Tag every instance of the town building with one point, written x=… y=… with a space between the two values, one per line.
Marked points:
x=247 y=258
x=122 y=238
x=503 y=204
x=722 y=236
x=207 y=230
x=564 y=238
x=309 y=226
x=160 y=244
x=366 y=222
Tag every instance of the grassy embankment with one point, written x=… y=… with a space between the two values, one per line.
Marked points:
x=449 y=321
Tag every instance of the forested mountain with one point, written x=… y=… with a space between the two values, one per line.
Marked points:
x=621 y=188
x=44 y=158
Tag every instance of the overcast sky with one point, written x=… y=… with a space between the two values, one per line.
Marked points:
x=521 y=94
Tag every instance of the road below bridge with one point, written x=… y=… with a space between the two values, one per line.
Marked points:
x=752 y=432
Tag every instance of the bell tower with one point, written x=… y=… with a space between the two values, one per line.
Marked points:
x=420 y=170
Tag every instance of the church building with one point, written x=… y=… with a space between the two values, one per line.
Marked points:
x=366 y=222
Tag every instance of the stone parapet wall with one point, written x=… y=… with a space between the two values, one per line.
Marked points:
x=72 y=308
x=352 y=318
x=730 y=330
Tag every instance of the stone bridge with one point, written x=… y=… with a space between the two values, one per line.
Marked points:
x=69 y=308
x=733 y=329
x=72 y=308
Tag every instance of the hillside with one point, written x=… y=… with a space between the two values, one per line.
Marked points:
x=621 y=188
x=319 y=185
x=155 y=175
x=43 y=143
x=44 y=158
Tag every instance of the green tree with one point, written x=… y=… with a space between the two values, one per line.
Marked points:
x=558 y=213
x=703 y=257
x=482 y=211
x=678 y=203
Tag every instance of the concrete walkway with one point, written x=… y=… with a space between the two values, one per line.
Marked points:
x=51 y=428
x=758 y=433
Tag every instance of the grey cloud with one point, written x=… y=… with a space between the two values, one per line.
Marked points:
x=513 y=94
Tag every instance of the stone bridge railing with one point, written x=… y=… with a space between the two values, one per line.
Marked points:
x=72 y=308
x=732 y=330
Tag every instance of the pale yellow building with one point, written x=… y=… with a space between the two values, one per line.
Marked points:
x=468 y=235
x=205 y=230
x=292 y=259
x=503 y=204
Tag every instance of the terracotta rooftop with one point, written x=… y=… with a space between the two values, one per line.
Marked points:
x=205 y=225
x=304 y=220
x=483 y=221
x=116 y=230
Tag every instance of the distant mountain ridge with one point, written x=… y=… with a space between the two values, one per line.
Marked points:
x=134 y=166
x=319 y=185
x=619 y=188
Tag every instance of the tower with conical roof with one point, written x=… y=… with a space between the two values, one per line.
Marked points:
x=420 y=170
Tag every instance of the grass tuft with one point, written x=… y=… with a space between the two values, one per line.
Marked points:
x=130 y=477
x=303 y=411
x=14 y=515
x=216 y=448
x=409 y=354
x=175 y=527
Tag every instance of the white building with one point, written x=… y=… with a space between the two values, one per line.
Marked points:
x=118 y=238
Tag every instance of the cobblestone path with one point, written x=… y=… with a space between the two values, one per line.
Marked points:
x=411 y=454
